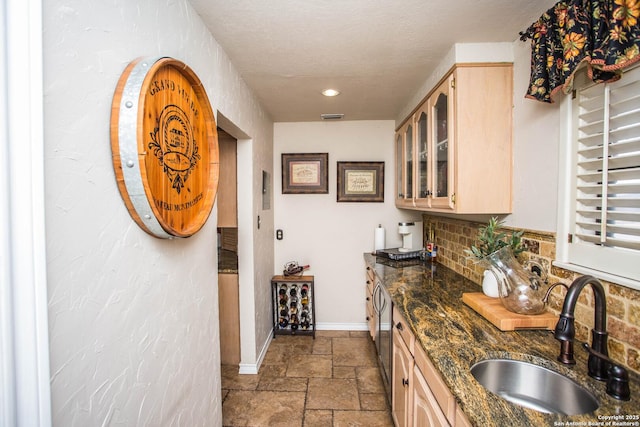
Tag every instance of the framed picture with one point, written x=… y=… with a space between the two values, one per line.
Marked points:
x=305 y=173
x=360 y=181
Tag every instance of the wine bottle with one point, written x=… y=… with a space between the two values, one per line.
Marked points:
x=283 y=322
x=304 y=320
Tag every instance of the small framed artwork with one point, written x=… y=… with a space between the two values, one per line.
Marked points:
x=305 y=173
x=360 y=181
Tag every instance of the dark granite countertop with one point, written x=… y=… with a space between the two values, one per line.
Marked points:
x=455 y=337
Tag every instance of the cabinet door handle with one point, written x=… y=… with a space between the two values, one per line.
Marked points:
x=376 y=292
x=405 y=382
x=399 y=326
x=382 y=299
x=368 y=299
x=368 y=318
x=373 y=301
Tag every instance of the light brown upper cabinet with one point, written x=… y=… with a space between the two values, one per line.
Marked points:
x=404 y=148
x=422 y=159
x=460 y=158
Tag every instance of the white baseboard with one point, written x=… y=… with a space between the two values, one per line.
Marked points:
x=253 y=368
x=342 y=326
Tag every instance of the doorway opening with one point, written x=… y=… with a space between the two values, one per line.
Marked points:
x=228 y=283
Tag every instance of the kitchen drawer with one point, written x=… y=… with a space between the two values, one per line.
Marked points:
x=439 y=389
x=370 y=311
x=371 y=322
x=402 y=327
x=371 y=316
x=370 y=278
x=369 y=294
x=369 y=287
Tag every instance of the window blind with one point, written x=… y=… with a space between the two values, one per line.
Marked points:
x=607 y=190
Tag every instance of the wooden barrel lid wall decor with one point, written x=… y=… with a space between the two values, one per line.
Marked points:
x=164 y=145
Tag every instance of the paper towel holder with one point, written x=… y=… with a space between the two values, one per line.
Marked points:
x=379 y=239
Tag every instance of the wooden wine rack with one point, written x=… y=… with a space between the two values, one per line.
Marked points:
x=293 y=305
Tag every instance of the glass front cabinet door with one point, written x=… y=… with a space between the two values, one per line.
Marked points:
x=404 y=165
x=426 y=145
x=422 y=157
x=408 y=161
x=399 y=149
x=443 y=146
x=454 y=151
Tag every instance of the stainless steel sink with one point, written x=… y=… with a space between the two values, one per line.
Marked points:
x=534 y=387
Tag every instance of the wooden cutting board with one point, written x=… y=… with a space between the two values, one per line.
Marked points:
x=505 y=320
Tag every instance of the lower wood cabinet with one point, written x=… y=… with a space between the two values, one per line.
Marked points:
x=412 y=402
x=370 y=310
x=420 y=397
x=426 y=411
x=402 y=370
x=229 y=314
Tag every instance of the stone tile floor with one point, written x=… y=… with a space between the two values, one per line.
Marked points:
x=332 y=380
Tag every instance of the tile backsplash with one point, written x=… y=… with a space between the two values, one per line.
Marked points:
x=453 y=236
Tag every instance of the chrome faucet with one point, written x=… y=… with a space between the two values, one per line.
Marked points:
x=599 y=365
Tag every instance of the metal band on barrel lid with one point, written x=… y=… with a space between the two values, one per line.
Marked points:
x=164 y=147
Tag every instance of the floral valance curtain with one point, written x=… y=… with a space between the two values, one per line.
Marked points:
x=603 y=33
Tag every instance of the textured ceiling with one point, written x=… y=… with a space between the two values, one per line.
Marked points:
x=376 y=52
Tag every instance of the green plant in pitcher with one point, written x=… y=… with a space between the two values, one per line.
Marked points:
x=491 y=238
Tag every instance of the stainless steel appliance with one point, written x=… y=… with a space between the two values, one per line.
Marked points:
x=382 y=305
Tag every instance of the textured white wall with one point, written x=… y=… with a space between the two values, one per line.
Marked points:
x=459 y=53
x=536 y=133
x=133 y=319
x=330 y=236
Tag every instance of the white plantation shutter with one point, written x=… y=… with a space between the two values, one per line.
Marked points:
x=606 y=222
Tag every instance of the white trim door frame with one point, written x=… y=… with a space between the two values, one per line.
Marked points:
x=25 y=393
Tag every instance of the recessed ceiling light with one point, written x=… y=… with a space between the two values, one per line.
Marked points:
x=330 y=92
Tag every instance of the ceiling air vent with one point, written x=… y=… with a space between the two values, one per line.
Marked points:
x=331 y=116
